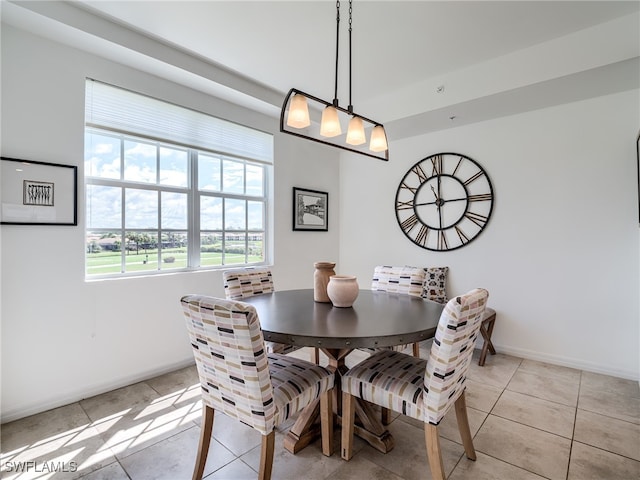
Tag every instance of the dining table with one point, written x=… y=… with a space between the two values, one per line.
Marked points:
x=376 y=319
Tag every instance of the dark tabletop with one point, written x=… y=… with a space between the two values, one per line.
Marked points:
x=377 y=319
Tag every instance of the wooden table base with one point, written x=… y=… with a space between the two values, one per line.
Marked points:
x=368 y=425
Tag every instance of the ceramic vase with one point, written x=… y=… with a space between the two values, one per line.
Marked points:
x=323 y=271
x=343 y=290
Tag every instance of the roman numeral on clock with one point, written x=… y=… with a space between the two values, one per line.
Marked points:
x=461 y=235
x=421 y=237
x=443 y=244
x=475 y=177
x=409 y=223
x=483 y=197
x=404 y=205
x=411 y=189
x=476 y=218
x=420 y=173
x=436 y=162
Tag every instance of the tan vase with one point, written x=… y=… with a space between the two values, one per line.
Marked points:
x=343 y=290
x=323 y=271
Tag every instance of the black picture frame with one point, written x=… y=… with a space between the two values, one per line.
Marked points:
x=38 y=193
x=310 y=210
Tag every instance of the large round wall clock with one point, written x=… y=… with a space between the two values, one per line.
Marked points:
x=444 y=201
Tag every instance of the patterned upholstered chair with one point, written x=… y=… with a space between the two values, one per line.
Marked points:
x=239 y=379
x=422 y=389
x=402 y=280
x=246 y=282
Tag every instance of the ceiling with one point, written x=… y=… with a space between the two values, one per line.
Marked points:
x=417 y=66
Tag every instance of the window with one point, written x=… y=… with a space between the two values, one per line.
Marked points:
x=157 y=203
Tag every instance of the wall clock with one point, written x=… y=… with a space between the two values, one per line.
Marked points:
x=444 y=201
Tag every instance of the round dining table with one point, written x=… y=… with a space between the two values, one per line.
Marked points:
x=377 y=319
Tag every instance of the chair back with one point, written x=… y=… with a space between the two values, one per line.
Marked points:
x=451 y=352
x=247 y=282
x=230 y=356
x=404 y=280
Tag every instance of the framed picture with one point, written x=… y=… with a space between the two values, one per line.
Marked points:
x=38 y=193
x=310 y=209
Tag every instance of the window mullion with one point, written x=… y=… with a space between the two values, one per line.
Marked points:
x=194 y=212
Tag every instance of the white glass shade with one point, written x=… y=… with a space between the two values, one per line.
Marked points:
x=330 y=126
x=378 y=139
x=298 y=116
x=355 y=133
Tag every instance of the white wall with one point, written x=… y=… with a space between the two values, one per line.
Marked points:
x=560 y=253
x=63 y=338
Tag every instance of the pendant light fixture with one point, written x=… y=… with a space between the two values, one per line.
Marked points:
x=310 y=117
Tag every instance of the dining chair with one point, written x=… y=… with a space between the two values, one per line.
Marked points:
x=246 y=282
x=402 y=280
x=422 y=389
x=238 y=378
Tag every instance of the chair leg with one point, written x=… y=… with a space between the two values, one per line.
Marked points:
x=316 y=356
x=266 y=456
x=416 y=350
x=434 y=454
x=326 y=422
x=348 y=419
x=463 y=427
x=205 y=439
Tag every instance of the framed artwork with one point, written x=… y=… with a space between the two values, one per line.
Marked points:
x=310 y=209
x=38 y=193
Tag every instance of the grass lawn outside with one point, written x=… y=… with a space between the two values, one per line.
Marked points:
x=110 y=262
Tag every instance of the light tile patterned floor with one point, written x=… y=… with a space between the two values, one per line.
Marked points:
x=529 y=420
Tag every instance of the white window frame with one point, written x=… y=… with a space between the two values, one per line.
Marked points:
x=263 y=149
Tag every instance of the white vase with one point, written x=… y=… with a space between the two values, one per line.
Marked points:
x=343 y=290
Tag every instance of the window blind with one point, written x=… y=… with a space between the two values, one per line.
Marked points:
x=115 y=108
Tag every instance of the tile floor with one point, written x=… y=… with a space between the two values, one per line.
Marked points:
x=530 y=420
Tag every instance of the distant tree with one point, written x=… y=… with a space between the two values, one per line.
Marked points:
x=136 y=239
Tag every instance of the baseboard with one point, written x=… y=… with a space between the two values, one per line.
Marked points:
x=91 y=391
x=565 y=362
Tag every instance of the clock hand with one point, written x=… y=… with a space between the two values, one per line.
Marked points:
x=425 y=203
x=438 y=201
x=454 y=199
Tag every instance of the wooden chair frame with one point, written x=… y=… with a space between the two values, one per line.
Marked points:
x=431 y=434
x=268 y=441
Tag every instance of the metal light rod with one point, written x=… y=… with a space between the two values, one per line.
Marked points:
x=329 y=129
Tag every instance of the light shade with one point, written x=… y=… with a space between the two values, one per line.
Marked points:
x=355 y=133
x=330 y=126
x=298 y=116
x=378 y=139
